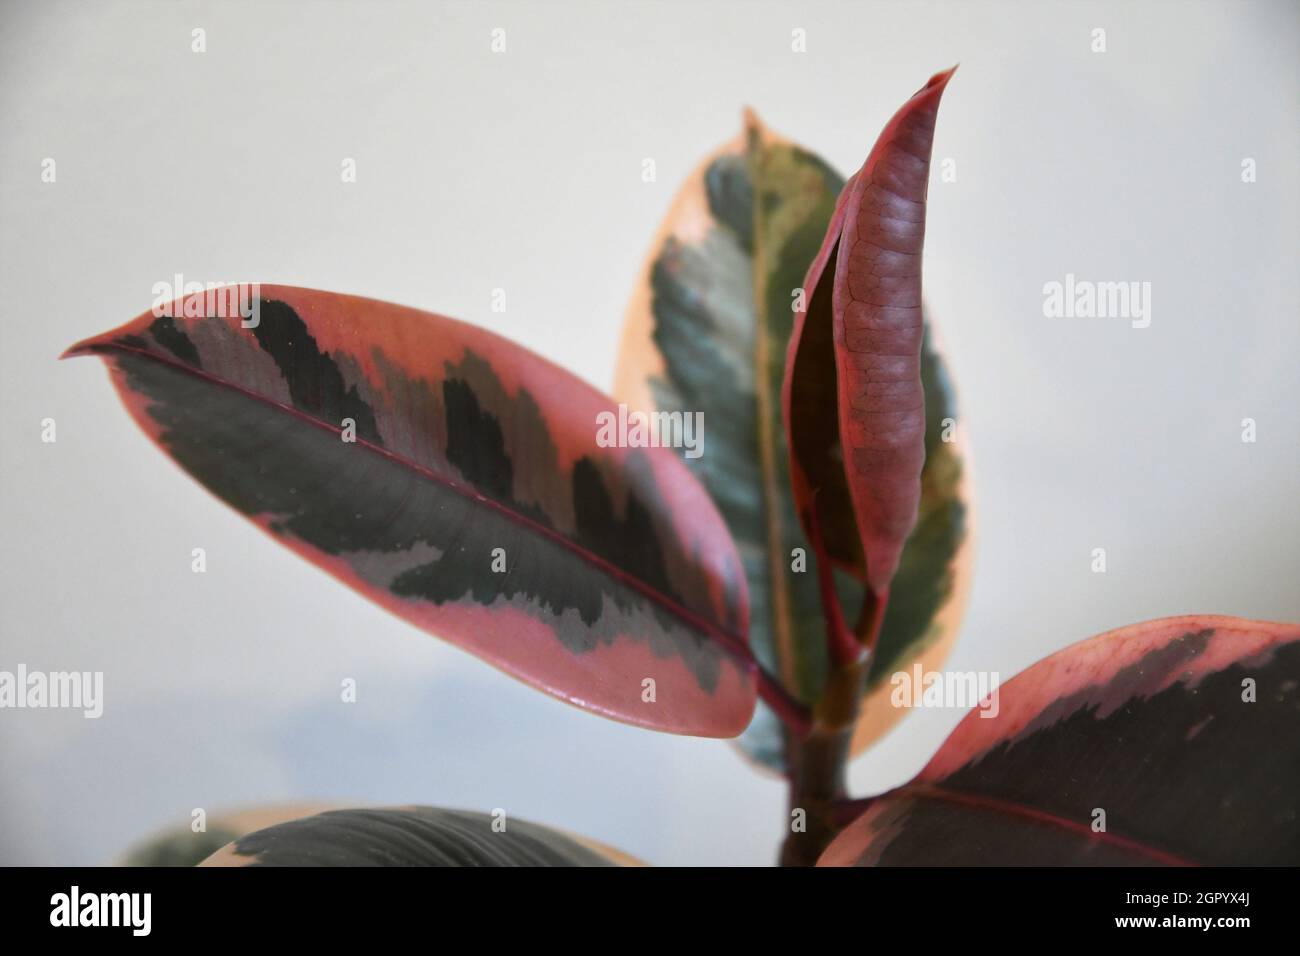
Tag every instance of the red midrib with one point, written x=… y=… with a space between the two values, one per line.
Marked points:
x=732 y=642
x=928 y=791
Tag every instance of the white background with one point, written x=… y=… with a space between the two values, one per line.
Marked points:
x=522 y=171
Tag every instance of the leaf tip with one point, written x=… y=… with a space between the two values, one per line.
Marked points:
x=755 y=131
x=104 y=341
x=936 y=84
x=84 y=347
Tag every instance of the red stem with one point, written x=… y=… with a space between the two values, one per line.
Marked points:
x=840 y=641
x=867 y=630
x=848 y=810
x=844 y=647
x=792 y=712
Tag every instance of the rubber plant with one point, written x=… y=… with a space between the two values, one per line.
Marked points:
x=765 y=590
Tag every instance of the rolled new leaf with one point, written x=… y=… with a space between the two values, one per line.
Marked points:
x=1165 y=743
x=856 y=348
x=455 y=479
x=413 y=836
x=707 y=329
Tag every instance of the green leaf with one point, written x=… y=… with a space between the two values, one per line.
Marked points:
x=707 y=331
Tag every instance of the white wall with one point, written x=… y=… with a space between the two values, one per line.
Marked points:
x=522 y=171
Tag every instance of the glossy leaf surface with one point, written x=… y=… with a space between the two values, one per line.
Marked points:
x=455 y=479
x=1172 y=742
x=707 y=330
x=411 y=836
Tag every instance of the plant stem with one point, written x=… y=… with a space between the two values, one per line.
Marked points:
x=797 y=718
x=817 y=784
x=818 y=778
x=819 y=761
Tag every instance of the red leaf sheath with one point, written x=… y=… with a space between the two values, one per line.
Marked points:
x=878 y=332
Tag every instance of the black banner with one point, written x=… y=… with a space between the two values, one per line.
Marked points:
x=928 y=905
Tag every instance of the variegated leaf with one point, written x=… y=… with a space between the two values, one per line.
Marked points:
x=455 y=479
x=1172 y=742
x=414 y=836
